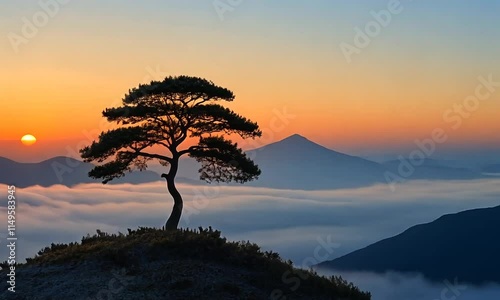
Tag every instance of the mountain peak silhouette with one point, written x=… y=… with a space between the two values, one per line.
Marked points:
x=295 y=137
x=298 y=146
x=294 y=140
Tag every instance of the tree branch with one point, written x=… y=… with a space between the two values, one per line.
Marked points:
x=149 y=155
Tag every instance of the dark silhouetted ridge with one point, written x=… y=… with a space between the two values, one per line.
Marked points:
x=464 y=245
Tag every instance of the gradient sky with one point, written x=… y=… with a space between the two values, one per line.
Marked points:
x=273 y=55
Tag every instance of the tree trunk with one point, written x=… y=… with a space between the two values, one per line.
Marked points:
x=175 y=216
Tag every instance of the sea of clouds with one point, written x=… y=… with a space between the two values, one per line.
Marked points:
x=291 y=222
x=396 y=286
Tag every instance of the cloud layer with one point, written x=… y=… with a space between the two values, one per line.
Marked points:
x=291 y=222
x=396 y=286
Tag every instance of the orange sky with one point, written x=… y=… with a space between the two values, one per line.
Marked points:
x=395 y=91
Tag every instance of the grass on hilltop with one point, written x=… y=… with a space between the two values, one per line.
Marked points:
x=143 y=245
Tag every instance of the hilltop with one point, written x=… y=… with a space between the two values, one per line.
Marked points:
x=154 y=264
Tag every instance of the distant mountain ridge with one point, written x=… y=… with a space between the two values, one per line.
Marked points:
x=298 y=163
x=464 y=245
x=59 y=170
x=292 y=163
x=434 y=169
x=493 y=169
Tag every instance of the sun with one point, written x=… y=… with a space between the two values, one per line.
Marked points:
x=28 y=140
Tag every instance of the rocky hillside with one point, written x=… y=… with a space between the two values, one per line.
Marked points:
x=154 y=264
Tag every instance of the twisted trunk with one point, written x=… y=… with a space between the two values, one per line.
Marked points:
x=175 y=216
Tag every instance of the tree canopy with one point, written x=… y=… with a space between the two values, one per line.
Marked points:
x=166 y=113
